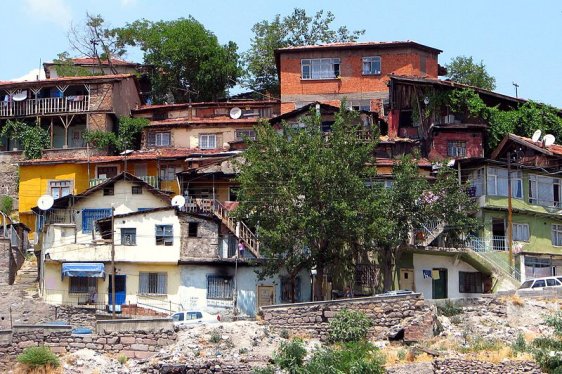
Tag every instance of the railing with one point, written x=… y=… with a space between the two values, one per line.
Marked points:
x=159 y=304
x=500 y=266
x=150 y=179
x=59 y=216
x=495 y=243
x=428 y=232
x=70 y=104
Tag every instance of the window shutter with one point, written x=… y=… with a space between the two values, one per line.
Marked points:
x=143 y=283
x=162 y=283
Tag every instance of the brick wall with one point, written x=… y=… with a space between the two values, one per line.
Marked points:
x=474 y=143
x=388 y=314
x=101 y=97
x=205 y=245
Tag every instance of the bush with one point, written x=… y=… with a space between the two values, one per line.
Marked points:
x=264 y=370
x=36 y=357
x=355 y=357
x=216 y=336
x=349 y=326
x=547 y=351
x=449 y=309
x=520 y=345
x=122 y=359
x=290 y=355
x=284 y=333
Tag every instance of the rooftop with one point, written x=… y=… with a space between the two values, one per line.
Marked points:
x=69 y=80
x=360 y=45
x=94 y=61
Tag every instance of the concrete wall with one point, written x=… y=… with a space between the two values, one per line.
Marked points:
x=193 y=288
x=388 y=315
x=429 y=262
x=124 y=325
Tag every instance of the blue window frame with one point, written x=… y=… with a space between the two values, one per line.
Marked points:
x=89 y=216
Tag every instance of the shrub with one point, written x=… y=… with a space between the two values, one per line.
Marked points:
x=265 y=370
x=36 y=357
x=349 y=326
x=547 y=351
x=354 y=357
x=520 y=345
x=401 y=354
x=449 y=309
x=122 y=359
x=290 y=355
x=6 y=204
x=284 y=334
x=216 y=336
x=243 y=350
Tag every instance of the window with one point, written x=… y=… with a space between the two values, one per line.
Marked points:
x=552 y=282
x=192 y=228
x=208 y=141
x=557 y=235
x=153 y=283
x=320 y=68
x=544 y=191
x=286 y=289
x=233 y=193
x=470 y=282
x=104 y=172
x=168 y=173
x=59 y=188
x=423 y=63
x=539 y=283
x=108 y=191
x=360 y=105
x=164 y=235
x=89 y=216
x=371 y=65
x=521 y=232
x=456 y=148
x=128 y=236
x=82 y=284
x=159 y=139
x=241 y=134
x=497 y=183
x=136 y=190
x=219 y=287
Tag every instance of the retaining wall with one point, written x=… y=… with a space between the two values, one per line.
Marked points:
x=389 y=314
x=481 y=367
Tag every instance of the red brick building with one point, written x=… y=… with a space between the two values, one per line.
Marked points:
x=357 y=72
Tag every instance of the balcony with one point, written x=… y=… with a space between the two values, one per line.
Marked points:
x=495 y=243
x=49 y=105
x=150 y=179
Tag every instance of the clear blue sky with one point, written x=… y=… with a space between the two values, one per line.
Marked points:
x=518 y=41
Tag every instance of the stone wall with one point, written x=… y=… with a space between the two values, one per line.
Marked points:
x=481 y=367
x=217 y=367
x=390 y=315
x=205 y=245
x=7 y=263
x=133 y=344
x=74 y=316
x=10 y=177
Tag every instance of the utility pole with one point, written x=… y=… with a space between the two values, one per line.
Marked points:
x=112 y=262
x=516 y=87
x=509 y=212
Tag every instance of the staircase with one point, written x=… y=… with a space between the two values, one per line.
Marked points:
x=428 y=233
x=238 y=228
x=508 y=277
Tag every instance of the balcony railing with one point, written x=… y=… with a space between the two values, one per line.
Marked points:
x=495 y=243
x=150 y=179
x=49 y=105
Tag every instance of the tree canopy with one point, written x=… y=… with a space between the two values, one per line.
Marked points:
x=296 y=29
x=188 y=59
x=464 y=70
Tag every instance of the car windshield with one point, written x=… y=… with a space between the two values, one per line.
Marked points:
x=526 y=284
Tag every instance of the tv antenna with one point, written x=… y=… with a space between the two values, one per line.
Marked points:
x=45 y=202
x=178 y=201
x=536 y=136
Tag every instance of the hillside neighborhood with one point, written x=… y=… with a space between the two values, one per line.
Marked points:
x=155 y=231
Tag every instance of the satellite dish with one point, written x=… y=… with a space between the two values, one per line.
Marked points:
x=426 y=100
x=45 y=202
x=20 y=96
x=548 y=140
x=235 y=113
x=178 y=201
x=536 y=136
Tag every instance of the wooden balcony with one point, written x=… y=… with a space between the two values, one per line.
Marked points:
x=150 y=179
x=49 y=105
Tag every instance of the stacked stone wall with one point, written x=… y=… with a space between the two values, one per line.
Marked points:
x=389 y=316
x=482 y=367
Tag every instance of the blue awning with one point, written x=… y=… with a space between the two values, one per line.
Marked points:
x=83 y=269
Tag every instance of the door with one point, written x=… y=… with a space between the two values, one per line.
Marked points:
x=407 y=279
x=498 y=234
x=265 y=295
x=120 y=290
x=439 y=284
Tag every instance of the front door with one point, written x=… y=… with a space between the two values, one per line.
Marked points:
x=439 y=283
x=265 y=295
x=120 y=290
x=407 y=279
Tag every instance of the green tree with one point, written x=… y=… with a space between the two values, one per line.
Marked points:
x=464 y=70
x=305 y=192
x=32 y=138
x=65 y=67
x=187 y=58
x=128 y=135
x=295 y=29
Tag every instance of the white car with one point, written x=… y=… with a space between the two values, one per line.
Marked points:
x=194 y=317
x=541 y=283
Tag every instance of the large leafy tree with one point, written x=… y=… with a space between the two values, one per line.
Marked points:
x=306 y=194
x=188 y=60
x=296 y=29
x=465 y=70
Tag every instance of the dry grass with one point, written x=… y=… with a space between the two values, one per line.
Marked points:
x=393 y=353
x=513 y=299
x=24 y=369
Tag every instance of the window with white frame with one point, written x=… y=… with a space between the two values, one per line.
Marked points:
x=128 y=236
x=456 y=148
x=359 y=105
x=520 y=232
x=371 y=65
x=496 y=183
x=241 y=134
x=320 y=68
x=557 y=235
x=59 y=188
x=544 y=191
x=164 y=235
x=153 y=283
x=208 y=141
x=159 y=139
